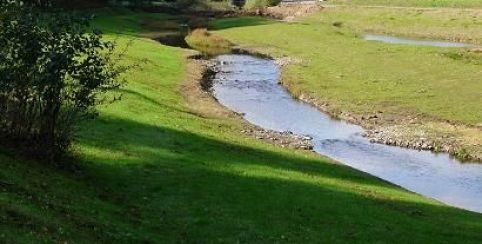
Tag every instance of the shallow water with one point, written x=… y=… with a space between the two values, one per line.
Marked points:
x=249 y=85
x=398 y=40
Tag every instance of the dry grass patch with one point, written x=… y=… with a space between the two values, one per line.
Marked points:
x=204 y=41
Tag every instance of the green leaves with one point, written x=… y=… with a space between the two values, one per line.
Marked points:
x=52 y=71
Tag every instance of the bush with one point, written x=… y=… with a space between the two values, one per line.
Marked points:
x=52 y=71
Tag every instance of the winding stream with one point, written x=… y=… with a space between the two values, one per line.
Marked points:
x=249 y=85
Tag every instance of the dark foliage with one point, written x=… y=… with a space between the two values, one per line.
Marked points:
x=52 y=71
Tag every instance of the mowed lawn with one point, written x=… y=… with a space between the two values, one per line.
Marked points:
x=151 y=170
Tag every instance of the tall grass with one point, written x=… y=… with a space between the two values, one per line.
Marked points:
x=206 y=42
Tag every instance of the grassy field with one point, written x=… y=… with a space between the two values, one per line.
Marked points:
x=414 y=87
x=413 y=3
x=462 y=25
x=159 y=167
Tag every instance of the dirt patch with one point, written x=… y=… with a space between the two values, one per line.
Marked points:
x=476 y=50
x=196 y=93
x=288 y=11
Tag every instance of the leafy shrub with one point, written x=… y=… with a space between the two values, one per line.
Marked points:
x=52 y=71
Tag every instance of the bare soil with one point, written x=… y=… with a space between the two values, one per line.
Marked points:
x=288 y=12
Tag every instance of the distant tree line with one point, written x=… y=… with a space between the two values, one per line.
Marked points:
x=174 y=4
x=178 y=5
x=53 y=72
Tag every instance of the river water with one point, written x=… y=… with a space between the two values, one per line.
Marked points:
x=405 y=41
x=249 y=85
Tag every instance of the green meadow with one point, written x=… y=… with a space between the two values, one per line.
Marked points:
x=158 y=167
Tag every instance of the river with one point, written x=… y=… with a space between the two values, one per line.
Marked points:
x=249 y=85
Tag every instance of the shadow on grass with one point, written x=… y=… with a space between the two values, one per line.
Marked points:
x=192 y=188
x=152 y=101
x=123 y=22
x=233 y=22
x=150 y=143
x=153 y=184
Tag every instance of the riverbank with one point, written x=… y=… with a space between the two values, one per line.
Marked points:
x=398 y=93
x=158 y=167
x=197 y=92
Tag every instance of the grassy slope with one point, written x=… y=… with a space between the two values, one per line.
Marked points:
x=151 y=170
x=414 y=3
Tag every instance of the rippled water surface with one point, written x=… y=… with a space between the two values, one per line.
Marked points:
x=397 y=40
x=249 y=85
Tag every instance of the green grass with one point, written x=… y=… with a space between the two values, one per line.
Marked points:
x=152 y=170
x=414 y=3
x=358 y=75
x=127 y=22
x=463 y=25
